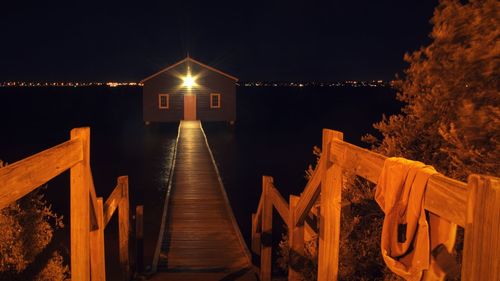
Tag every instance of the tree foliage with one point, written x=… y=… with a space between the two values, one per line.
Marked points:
x=451 y=119
x=27 y=226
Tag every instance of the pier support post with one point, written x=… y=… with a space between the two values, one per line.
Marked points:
x=481 y=257
x=296 y=243
x=80 y=210
x=255 y=237
x=97 y=258
x=139 y=235
x=267 y=230
x=331 y=196
x=124 y=228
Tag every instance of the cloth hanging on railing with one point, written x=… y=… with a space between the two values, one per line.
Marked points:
x=407 y=235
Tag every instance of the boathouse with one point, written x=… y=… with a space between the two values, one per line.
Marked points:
x=189 y=90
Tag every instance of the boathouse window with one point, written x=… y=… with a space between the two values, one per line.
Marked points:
x=164 y=101
x=214 y=100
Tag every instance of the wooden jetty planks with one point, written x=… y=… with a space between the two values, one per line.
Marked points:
x=200 y=236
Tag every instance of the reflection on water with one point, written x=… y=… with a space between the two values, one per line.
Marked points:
x=160 y=142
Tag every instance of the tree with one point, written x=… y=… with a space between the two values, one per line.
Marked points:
x=27 y=227
x=451 y=119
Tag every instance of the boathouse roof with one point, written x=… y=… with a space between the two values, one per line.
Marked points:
x=189 y=59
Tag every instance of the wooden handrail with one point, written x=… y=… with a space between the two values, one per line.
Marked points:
x=447 y=198
x=474 y=206
x=88 y=218
x=22 y=177
x=444 y=196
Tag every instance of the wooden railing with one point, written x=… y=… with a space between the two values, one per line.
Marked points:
x=474 y=206
x=89 y=215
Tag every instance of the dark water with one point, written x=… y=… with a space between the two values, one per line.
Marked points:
x=274 y=135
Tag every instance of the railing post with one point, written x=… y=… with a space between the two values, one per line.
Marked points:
x=139 y=235
x=331 y=194
x=255 y=237
x=296 y=242
x=97 y=256
x=481 y=257
x=267 y=229
x=123 y=228
x=80 y=210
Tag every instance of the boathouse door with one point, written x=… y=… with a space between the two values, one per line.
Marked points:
x=189 y=107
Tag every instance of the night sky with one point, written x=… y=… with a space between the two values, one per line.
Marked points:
x=270 y=40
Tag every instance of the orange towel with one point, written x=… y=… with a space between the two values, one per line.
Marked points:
x=406 y=243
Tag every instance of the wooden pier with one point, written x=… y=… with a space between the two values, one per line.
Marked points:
x=199 y=238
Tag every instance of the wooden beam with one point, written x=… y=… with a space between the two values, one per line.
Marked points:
x=280 y=204
x=97 y=254
x=255 y=237
x=481 y=259
x=112 y=203
x=296 y=243
x=139 y=236
x=331 y=196
x=80 y=210
x=311 y=192
x=124 y=228
x=267 y=230
x=22 y=177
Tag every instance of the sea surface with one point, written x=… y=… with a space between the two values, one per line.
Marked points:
x=275 y=132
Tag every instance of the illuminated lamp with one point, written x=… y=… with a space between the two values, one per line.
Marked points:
x=188 y=81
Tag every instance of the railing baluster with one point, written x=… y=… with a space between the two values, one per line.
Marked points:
x=481 y=259
x=331 y=188
x=124 y=228
x=296 y=242
x=267 y=229
x=139 y=236
x=255 y=237
x=97 y=254
x=80 y=210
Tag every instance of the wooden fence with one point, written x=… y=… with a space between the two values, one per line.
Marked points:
x=474 y=206
x=89 y=215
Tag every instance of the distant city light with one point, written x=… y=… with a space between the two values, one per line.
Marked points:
x=68 y=84
x=189 y=81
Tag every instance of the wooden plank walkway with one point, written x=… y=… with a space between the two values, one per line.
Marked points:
x=201 y=240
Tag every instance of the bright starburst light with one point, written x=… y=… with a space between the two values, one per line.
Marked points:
x=189 y=81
